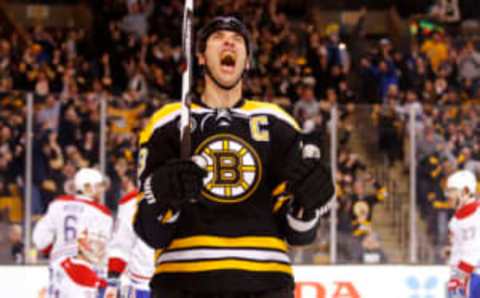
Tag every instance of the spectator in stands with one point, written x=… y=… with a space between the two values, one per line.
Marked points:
x=48 y=116
x=390 y=130
x=307 y=107
x=349 y=247
x=15 y=238
x=136 y=20
x=447 y=11
x=372 y=250
x=469 y=63
x=429 y=143
x=363 y=204
x=383 y=74
x=436 y=50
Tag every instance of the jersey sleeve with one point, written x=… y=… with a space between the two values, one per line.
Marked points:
x=288 y=141
x=454 y=248
x=44 y=231
x=159 y=142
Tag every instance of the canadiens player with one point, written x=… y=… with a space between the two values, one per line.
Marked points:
x=221 y=229
x=128 y=254
x=464 y=228
x=74 y=232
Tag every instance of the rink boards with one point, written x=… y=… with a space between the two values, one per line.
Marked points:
x=341 y=281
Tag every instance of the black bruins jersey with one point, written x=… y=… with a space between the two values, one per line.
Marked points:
x=236 y=239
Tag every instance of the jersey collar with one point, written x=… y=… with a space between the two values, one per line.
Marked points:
x=198 y=101
x=467 y=210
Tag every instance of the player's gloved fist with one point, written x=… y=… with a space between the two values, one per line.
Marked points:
x=177 y=181
x=311 y=184
x=301 y=213
x=111 y=292
x=456 y=287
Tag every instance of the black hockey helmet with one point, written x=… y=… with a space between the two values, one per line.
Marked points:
x=229 y=23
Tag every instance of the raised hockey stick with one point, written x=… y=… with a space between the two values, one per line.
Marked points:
x=185 y=138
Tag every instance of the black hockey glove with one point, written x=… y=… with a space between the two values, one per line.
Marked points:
x=176 y=182
x=311 y=183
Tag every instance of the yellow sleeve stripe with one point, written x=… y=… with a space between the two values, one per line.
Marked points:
x=163 y=116
x=222 y=242
x=382 y=193
x=436 y=172
x=256 y=107
x=166 y=114
x=228 y=264
x=157 y=254
x=279 y=189
x=359 y=232
x=167 y=216
x=281 y=202
x=441 y=205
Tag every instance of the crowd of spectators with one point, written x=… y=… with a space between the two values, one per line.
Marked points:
x=133 y=68
x=136 y=71
x=438 y=78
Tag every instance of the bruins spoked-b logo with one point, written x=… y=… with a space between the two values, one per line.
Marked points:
x=234 y=168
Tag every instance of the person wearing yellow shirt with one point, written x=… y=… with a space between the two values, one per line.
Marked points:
x=436 y=50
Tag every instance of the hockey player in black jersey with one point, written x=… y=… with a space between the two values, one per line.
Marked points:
x=222 y=229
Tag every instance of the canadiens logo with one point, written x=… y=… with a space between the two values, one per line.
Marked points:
x=234 y=168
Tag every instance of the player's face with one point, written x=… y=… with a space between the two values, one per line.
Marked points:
x=225 y=56
x=96 y=191
x=454 y=197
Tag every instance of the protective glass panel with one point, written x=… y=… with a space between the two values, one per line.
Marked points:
x=12 y=175
x=446 y=141
x=66 y=137
x=372 y=185
x=127 y=114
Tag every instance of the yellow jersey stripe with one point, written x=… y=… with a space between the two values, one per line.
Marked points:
x=279 y=189
x=157 y=253
x=382 y=193
x=227 y=264
x=280 y=202
x=162 y=114
x=238 y=242
x=253 y=107
x=166 y=114
x=167 y=216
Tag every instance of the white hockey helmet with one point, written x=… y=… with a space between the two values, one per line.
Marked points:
x=461 y=187
x=88 y=179
x=462 y=180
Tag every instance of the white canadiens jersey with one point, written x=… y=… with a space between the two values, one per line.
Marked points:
x=66 y=218
x=126 y=249
x=74 y=279
x=465 y=236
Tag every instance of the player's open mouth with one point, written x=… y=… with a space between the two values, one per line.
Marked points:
x=227 y=62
